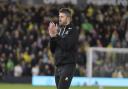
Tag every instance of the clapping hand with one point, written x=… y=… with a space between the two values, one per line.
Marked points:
x=52 y=29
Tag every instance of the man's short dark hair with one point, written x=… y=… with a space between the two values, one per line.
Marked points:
x=67 y=11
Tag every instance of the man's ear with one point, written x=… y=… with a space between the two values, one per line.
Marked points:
x=69 y=19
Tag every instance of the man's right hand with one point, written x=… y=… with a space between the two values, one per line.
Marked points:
x=52 y=29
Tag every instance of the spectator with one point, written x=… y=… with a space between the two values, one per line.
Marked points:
x=18 y=71
x=35 y=70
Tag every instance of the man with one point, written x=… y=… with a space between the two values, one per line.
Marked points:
x=63 y=44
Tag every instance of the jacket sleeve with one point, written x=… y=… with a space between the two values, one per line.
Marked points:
x=69 y=41
x=53 y=44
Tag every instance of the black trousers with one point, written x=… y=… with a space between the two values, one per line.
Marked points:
x=64 y=75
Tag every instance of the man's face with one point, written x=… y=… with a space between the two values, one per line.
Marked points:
x=62 y=19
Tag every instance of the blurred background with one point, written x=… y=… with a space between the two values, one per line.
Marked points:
x=24 y=39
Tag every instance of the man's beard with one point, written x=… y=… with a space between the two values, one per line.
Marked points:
x=62 y=24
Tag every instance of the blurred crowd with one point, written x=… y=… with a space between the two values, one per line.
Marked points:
x=24 y=39
x=110 y=30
